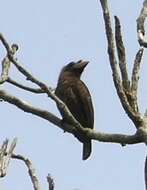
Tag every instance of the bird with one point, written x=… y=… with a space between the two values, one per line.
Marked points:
x=75 y=94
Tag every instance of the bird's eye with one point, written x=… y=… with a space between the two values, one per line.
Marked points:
x=79 y=61
x=71 y=64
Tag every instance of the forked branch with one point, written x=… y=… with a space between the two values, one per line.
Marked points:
x=31 y=170
x=122 y=83
x=5 y=156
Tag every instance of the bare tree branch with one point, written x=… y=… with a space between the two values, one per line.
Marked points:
x=140 y=25
x=136 y=69
x=132 y=100
x=34 y=90
x=50 y=182
x=135 y=77
x=135 y=117
x=6 y=153
x=90 y=133
x=121 y=54
x=31 y=170
x=5 y=43
x=5 y=156
x=29 y=108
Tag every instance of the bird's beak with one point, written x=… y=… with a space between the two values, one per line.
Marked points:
x=81 y=64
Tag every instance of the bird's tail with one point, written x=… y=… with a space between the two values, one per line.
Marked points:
x=87 y=148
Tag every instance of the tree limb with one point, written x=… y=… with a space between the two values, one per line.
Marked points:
x=131 y=95
x=135 y=77
x=6 y=153
x=90 y=133
x=135 y=117
x=31 y=170
x=121 y=55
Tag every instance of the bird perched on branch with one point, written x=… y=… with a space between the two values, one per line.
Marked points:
x=75 y=94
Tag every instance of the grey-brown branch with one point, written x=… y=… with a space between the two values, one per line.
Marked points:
x=121 y=55
x=101 y=137
x=34 y=90
x=124 y=95
x=31 y=170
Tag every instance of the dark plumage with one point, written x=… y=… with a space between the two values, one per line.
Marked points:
x=75 y=94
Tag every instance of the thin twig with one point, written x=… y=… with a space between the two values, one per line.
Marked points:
x=31 y=170
x=23 y=105
x=34 y=90
x=4 y=42
x=50 y=182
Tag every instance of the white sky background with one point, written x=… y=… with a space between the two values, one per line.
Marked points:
x=51 y=34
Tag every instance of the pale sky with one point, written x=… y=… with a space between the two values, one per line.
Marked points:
x=50 y=34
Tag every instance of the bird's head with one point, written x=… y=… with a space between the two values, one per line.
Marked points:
x=75 y=68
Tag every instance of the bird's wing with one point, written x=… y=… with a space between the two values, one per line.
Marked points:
x=83 y=105
x=76 y=96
